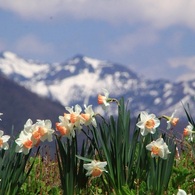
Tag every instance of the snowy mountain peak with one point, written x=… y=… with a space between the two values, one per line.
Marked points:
x=87 y=62
x=9 y=55
x=81 y=78
x=19 y=69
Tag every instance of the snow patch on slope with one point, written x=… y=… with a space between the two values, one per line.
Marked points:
x=12 y=64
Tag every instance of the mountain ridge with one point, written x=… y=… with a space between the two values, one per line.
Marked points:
x=81 y=78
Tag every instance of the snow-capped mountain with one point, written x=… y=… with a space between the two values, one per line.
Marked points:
x=81 y=78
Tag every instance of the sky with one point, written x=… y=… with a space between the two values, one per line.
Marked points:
x=156 y=39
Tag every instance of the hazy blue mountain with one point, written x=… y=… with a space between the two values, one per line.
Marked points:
x=81 y=78
x=19 y=104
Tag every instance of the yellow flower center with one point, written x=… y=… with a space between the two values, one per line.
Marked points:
x=73 y=117
x=85 y=116
x=1 y=142
x=101 y=99
x=28 y=144
x=36 y=135
x=63 y=130
x=186 y=132
x=155 y=150
x=96 y=172
x=42 y=131
x=150 y=124
x=174 y=121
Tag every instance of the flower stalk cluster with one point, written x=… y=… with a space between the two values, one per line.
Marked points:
x=33 y=134
x=147 y=156
x=75 y=119
x=148 y=124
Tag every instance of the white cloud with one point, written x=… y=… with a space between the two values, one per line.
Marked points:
x=188 y=62
x=129 y=43
x=30 y=44
x=156 y=13
x=188 y=66
x=186 y=77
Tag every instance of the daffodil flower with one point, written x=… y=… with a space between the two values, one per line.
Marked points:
x=24 y=142
x=42 y=131
x=28 y=125
x=104 y=99
x=188 y=131
x=74 y=115
x=64 y=131
x=95 y=168
x=3 y=141
x=158 y=148
x=171 y=120
x=65 y=127
x=148 y=123
x=75 y=119
x=89 y=116
x=181 y=192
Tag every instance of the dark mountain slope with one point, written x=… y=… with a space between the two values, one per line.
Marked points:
x=18 y=104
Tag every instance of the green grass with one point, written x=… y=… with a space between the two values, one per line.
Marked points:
x=43 y=178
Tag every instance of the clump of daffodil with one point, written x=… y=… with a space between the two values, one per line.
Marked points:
x=33 y=134
x=74 y=120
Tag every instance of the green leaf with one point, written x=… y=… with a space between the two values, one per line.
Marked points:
x=83 y=158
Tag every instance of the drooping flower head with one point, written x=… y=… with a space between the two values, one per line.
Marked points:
x=158 y=148
x=188 y=131
x=104 y=99
x=3 y=141
x=181 y=192
x=148 y=123
x=95 y=168
x=171 y=120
